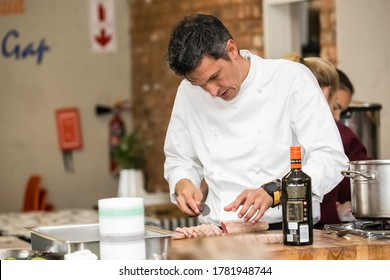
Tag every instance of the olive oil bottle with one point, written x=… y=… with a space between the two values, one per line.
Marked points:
x=297 y=203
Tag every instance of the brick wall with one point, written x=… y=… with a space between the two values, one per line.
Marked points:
x=328 y=31
x=154 y=85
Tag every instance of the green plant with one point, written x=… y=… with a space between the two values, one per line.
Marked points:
x=129 y=153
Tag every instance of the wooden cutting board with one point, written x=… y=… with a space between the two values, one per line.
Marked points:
x=331 y=247
x=270 y=243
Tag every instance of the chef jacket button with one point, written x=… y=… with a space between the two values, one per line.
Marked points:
x=257 y=170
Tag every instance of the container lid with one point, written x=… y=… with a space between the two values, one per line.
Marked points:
x=370 y=162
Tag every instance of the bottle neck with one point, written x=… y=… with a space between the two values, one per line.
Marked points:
x=296 y=163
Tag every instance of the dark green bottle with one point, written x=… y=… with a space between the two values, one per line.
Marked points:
x=297 y=203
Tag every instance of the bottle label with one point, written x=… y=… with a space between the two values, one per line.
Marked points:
x=294 y=211
x=297 y=206
x=296 y=163
x=304 y=233
x=297 y=213
x=296 y=191
x=298 y=233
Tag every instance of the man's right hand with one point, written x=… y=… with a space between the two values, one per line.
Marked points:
x=189 y=197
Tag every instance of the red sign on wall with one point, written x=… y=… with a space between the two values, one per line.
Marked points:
x=102 y=25
x=68 y=128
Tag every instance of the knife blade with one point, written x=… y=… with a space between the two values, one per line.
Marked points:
x=204 y=209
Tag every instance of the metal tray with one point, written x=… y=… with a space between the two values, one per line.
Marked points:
x=66 y=239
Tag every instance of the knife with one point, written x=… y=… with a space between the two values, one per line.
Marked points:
x=204 y=209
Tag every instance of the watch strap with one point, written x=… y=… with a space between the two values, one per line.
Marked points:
x=274 y=189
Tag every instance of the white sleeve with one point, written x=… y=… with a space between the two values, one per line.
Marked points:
x=181 y=161
x=323 y=155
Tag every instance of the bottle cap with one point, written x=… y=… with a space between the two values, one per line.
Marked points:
x=295 y=152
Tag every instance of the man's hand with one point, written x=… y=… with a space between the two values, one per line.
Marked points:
x=189 y=197
x=254 y=203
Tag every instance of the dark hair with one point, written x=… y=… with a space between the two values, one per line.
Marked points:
x=192 y=38
x=344 y=82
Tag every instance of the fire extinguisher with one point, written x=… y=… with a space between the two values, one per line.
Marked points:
x=117 y=131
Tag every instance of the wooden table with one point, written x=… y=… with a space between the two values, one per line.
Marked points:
x=325 y=247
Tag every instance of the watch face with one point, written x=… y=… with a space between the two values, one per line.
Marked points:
x=271 y=187
x=274 y=190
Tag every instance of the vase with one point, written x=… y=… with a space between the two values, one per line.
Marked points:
x=131 y=183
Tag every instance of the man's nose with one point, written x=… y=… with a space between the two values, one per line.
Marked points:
x=213 y=89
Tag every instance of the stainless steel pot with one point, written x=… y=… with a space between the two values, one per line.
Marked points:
x=370 y=188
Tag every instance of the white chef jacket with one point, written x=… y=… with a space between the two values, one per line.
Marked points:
x=244 y=143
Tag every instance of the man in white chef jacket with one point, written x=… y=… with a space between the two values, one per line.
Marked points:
x=234 y=119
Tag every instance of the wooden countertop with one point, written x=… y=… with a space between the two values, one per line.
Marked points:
x=270 y=243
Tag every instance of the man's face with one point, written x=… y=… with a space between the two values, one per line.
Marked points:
x=339 y=102
x=221 y=78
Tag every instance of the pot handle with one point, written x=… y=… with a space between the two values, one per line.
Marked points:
x=353 y=173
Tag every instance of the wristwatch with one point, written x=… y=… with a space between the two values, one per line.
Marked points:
x=274 y=189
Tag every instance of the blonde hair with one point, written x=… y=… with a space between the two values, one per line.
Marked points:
x=324 y=71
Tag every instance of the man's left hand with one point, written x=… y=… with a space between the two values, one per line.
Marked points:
x=254 y=204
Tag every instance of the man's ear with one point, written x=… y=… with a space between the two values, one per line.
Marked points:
x=232 y=49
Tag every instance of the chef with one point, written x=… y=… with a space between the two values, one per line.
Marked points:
x=234 y=119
